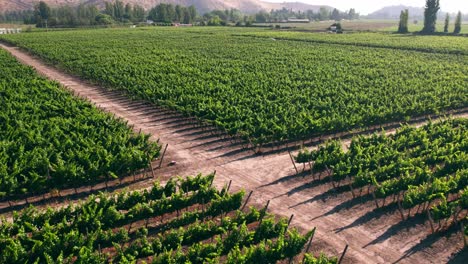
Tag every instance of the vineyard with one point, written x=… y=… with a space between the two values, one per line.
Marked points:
x=261 y=89
x=52 y=140
x=431 y=44
x=184 y=221
x=424 y=170
x=395 y=196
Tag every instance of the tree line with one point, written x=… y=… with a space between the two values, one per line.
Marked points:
x=430 y=19
x=73 y=16
x=234 y=16
x=119 y=12
x=324 y=13
x=168 y=13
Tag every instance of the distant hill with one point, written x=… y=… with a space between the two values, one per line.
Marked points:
x=393 y=12
x=203 y=6
x=295 y=6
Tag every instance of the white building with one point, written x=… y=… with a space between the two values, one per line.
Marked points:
x=298 y=20
x=10 y=30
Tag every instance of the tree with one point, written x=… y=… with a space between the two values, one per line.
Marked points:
x=119 y=10
x=186 y=19
x=109 y=10
x=261 y=17
x=193 y=12
x=458 y=21
x=179 y=13
x=430 y=16
x=324 y=14
x=335 y=15
x=128 y=12
x=447 y=22
x=215 y=21
x=42 y=12
x=403 y=26
x=352 y=14
x=138 y=13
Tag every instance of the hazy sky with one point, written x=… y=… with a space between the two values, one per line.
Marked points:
x=367 y=6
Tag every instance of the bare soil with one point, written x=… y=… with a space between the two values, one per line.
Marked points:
x=373 y=235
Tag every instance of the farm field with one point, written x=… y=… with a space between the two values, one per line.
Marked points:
x=51 y=140
x=186 y=220
x=423 y=167
x=371 y=192
x=418 y=27
x=258 y=88
x=361 y=26
x=431 y=44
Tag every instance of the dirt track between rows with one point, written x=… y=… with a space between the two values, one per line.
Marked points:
x=374 y=236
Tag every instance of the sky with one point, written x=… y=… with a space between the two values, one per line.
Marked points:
x=368 y=6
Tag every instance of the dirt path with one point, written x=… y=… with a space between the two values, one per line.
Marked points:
x=373 y=236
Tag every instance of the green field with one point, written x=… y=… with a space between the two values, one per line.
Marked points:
x=122 y=228
x=52 y=140
x=252 y=85
x=424 y=43
x=425 y=166
x=362 y=25
x=439 y=27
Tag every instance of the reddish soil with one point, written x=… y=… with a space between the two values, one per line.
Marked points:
x=373 y=235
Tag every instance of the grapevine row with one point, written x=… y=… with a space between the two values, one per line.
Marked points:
x=51 y=140
x=423 y=167
x=218 y=232
x=258 y=89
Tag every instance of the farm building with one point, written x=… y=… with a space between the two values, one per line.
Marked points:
x=181 y=25
x=10 y=30
x=298 y=20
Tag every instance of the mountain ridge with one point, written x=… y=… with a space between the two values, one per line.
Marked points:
x=203 y=6
x=393 y=12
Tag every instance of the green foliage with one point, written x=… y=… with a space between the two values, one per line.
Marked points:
x=321 y=259
x=104 y=19
x=215 y=21
x=458 y=21
x=403 y=25
x=243 y=88
x=168 y=13
x=83 y=233
x=446 y=23
x=430 y=16
x=422 y=165
x=423 y=43
x=50 y=139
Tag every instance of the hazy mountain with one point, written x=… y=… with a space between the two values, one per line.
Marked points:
x=295 y=6
x=247 y=6
x=393 y=12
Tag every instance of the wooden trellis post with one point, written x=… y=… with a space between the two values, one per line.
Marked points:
x=342 y=255
x=375 y=199
x=290 y=219
x=265 y=209
x=294 y=163
x=152 y=169
x=229 y=186
x=431 y=222
x=309 y=244
x=162 y=157
x=247 y=200
x=351 y=186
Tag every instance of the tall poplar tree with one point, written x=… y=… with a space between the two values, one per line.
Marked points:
x=447 y=22
x=403 y=26
x=458 y=21
x=430 y=16
x=42 y=12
